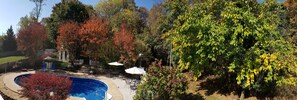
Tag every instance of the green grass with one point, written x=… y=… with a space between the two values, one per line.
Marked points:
x=11 y=59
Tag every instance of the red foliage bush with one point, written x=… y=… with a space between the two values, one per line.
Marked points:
x=39 y=86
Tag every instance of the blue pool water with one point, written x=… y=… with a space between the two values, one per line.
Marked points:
x=90 y=89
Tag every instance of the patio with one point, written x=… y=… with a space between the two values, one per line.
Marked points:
x=117 y=86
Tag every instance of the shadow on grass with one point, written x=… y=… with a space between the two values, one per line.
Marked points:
x=219 y=85
x=191 y=96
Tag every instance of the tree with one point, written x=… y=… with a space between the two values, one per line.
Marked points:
x=38 y=8
x=124 y=41
x=228 y=38
x=108 y=8
x=69 y=39
x=291 y=17
x=93 y=34
x=128 y=17
x=25 y=21
x=108 y=51
x=31 y=39
x=120 y=12
x=66 y=10
x=173 y=9
x=40 y=85
x=9 y=42
x=154 y=34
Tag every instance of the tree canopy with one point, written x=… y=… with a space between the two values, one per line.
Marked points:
x=66 y=10
x=235 y=37
x=69 y=39
x=31 y=39
x=124 y=41
x=93 y=34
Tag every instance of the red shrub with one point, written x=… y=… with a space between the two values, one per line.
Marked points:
x=38 y=87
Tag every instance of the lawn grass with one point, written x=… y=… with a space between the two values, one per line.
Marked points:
x=4 y=60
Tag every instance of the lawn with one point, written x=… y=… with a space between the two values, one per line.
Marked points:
x=11 y=59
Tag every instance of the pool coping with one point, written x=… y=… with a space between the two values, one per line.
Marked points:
x=8 y=81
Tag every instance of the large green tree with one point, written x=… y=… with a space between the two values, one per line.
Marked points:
x=235 y=38
x=9 y=43
x=108 y=8
x=120 y=12
x=153 y=36
x=128 y=17
x=65 y=10
x=159 y=21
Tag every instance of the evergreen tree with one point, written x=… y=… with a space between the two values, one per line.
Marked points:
x=9 y=43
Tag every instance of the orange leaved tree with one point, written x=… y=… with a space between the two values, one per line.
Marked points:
x=124 y=41
x=93 y=34
x=30 y=39
x=68 y=39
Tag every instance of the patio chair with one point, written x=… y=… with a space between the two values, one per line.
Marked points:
x=44 y=67
x=128 y=81
x=133 y=87
x=53 y=67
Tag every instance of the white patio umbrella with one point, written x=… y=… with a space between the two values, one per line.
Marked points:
x=135 y=70
x=115 y=64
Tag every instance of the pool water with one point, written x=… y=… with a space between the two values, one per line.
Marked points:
x=90 y=89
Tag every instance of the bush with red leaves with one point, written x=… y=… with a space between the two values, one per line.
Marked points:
x=44 y=86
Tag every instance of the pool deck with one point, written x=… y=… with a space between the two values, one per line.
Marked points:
x=11 y=89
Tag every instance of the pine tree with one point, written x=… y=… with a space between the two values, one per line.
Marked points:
x=9 y=43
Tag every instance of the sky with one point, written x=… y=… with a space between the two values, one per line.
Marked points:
x=12 y=10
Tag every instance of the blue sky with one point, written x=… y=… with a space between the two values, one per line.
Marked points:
x=12 y=10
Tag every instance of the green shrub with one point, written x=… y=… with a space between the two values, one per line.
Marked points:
x=161 y=83
x=61 y=65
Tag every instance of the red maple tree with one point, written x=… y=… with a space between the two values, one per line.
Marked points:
x=93 y=34
x=39 y=86
x=31 y=38
x=124 y=41
x=68 y=39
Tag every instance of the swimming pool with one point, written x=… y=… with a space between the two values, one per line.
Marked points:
x=90 y=89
